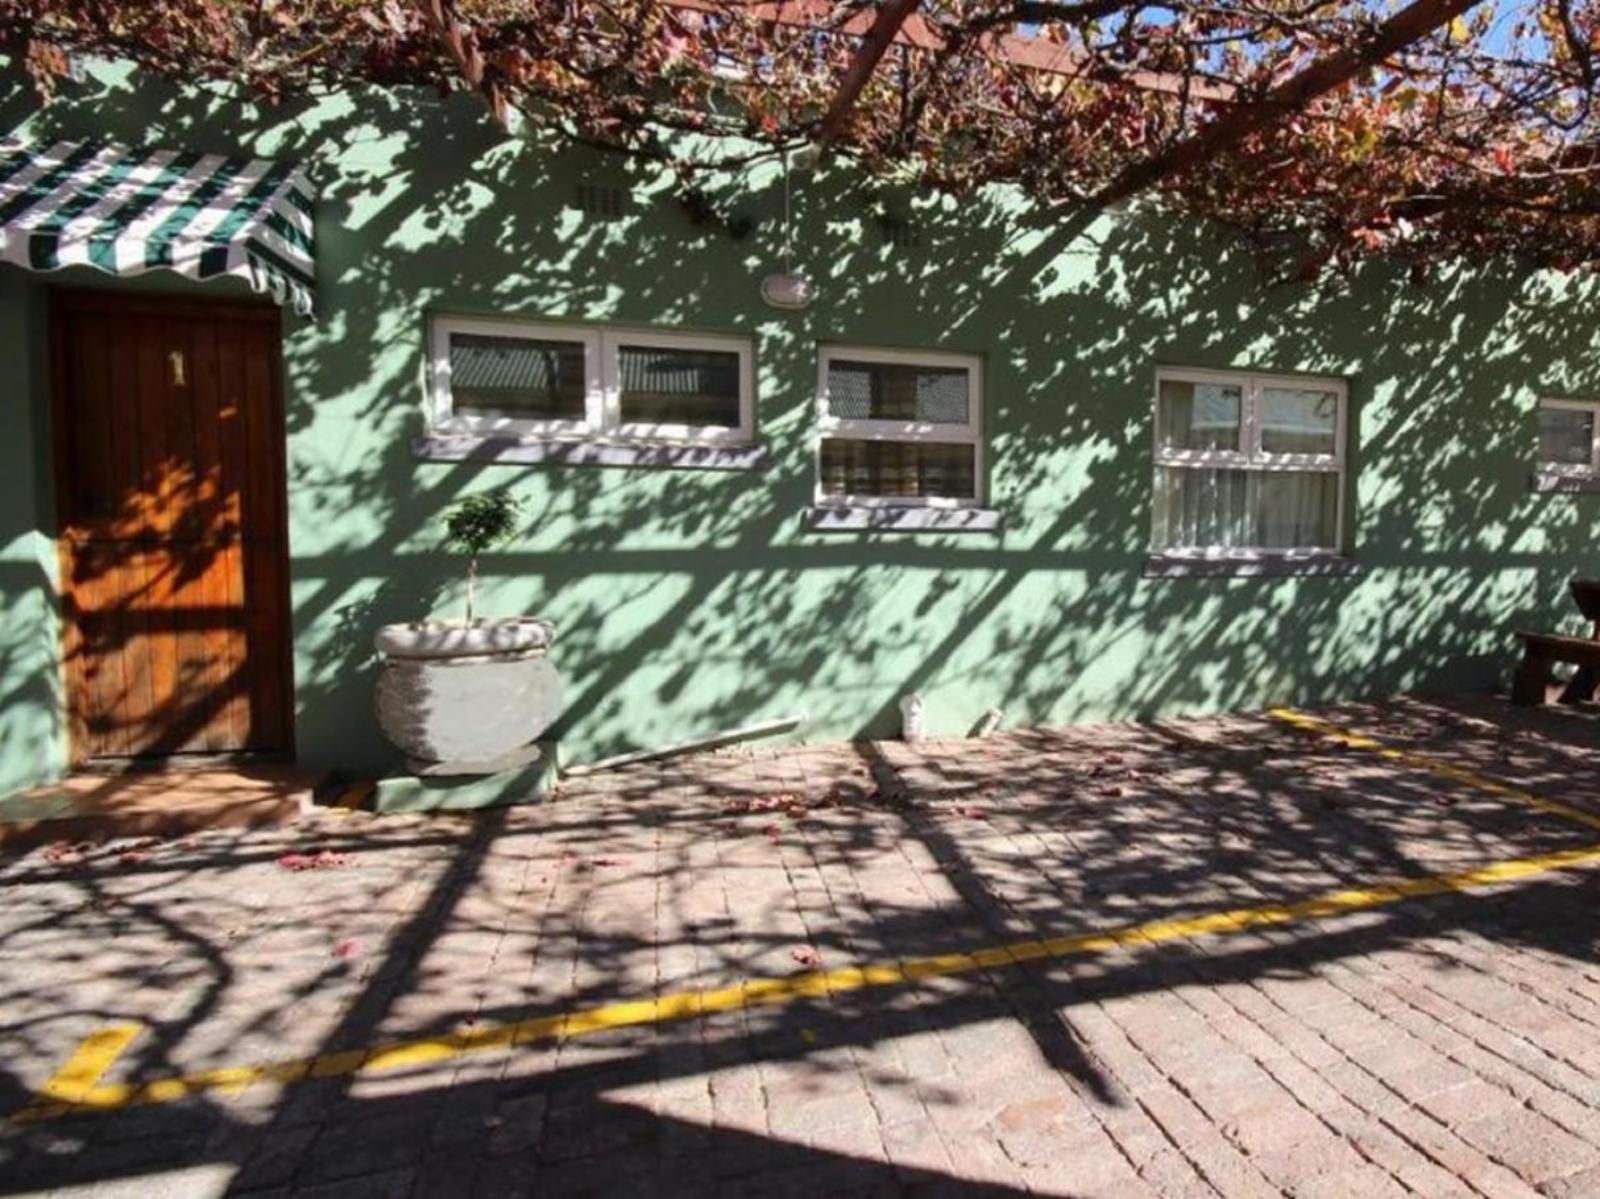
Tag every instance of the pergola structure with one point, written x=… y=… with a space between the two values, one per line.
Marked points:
x=1324 y=129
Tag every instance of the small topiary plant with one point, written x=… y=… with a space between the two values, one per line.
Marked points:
x=478 y=523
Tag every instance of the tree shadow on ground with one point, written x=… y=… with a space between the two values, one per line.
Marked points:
x=668 y=878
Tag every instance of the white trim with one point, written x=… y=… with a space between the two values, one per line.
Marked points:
x=969 y=432
x=1216 y=554
x=1570 y=469
x=447 y=420
x=832 y=518
x=1251 y=456
x=602 y=423
x=612 y=341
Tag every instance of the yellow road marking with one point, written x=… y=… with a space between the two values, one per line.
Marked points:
x=81 y=1073
x=82 y=1091
x=1435 y=766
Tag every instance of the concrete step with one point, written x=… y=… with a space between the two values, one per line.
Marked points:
x=156 y=803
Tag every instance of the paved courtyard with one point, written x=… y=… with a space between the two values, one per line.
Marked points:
x=1233 y=957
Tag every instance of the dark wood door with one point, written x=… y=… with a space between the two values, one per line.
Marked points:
x=170 y=485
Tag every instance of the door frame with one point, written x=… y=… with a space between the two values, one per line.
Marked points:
x=63 y=300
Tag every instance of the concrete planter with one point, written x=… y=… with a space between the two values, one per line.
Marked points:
x=467 y=699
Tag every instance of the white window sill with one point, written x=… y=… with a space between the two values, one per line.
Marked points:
x=1263 y=566
x=1564 y=481
x=833 y=518
x=661 y=455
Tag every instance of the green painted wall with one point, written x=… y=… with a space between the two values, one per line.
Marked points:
x=32 y=730
x=692 y=600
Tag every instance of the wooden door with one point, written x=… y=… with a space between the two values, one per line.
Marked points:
x=170 y=488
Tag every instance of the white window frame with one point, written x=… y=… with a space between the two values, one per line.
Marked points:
x=1570 y=470
x=970 y=433
x=602 y=422
x=1250 y=455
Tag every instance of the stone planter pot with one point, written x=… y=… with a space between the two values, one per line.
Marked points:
x=467 y=699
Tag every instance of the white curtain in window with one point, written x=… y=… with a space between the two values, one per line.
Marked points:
x=1234 y=509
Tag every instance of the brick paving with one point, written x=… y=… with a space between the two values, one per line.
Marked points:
x=1439 y=1046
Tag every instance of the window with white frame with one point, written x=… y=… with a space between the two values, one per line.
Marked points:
x=898 y=428
x=524 y=379
x=1248 y=464
x=1569 y=437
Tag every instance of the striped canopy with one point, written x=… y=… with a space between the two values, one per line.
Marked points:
x=128 y=211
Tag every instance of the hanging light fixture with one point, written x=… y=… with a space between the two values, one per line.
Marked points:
x=788 y=288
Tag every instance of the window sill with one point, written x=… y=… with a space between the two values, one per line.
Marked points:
x=824 y=518
x=1266 y=566
x=439 y=447
x=1545 y=481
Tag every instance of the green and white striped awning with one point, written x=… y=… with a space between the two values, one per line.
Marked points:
x=128 y=211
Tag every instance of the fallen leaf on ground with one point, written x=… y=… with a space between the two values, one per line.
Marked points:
x=972 y=813
x=347 y=949
x=68 y=851
x=765 y=803
x=772 y=832
x=323 y=859
x=806 y=956
x=131 y=857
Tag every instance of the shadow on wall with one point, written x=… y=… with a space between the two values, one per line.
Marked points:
x=31 y=724
x=691 y=600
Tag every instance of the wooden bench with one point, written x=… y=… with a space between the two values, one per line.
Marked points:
x=1540 y=651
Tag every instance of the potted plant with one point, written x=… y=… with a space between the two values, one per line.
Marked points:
x=471 y=696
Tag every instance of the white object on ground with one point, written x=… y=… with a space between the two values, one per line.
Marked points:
x=913 y=714
x=988 y=723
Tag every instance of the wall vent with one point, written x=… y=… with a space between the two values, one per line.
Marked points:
x=903 y=235
x=602 y=200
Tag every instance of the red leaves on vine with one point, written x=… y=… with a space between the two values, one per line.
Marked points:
x=1476 y=138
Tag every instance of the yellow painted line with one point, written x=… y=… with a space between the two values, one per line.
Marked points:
x=82 y=1091
x=81 y=1073
x=1435 y=766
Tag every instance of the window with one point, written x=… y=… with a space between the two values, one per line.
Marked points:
x=555 y=381
x=1568 y=444
x=898 y=429
x=1248 y=465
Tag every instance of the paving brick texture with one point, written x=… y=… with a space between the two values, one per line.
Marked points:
x=1440 y=1045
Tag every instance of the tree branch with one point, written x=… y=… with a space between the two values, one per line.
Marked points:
x=1408 y=26
x=871 y=51
x=463 y=50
